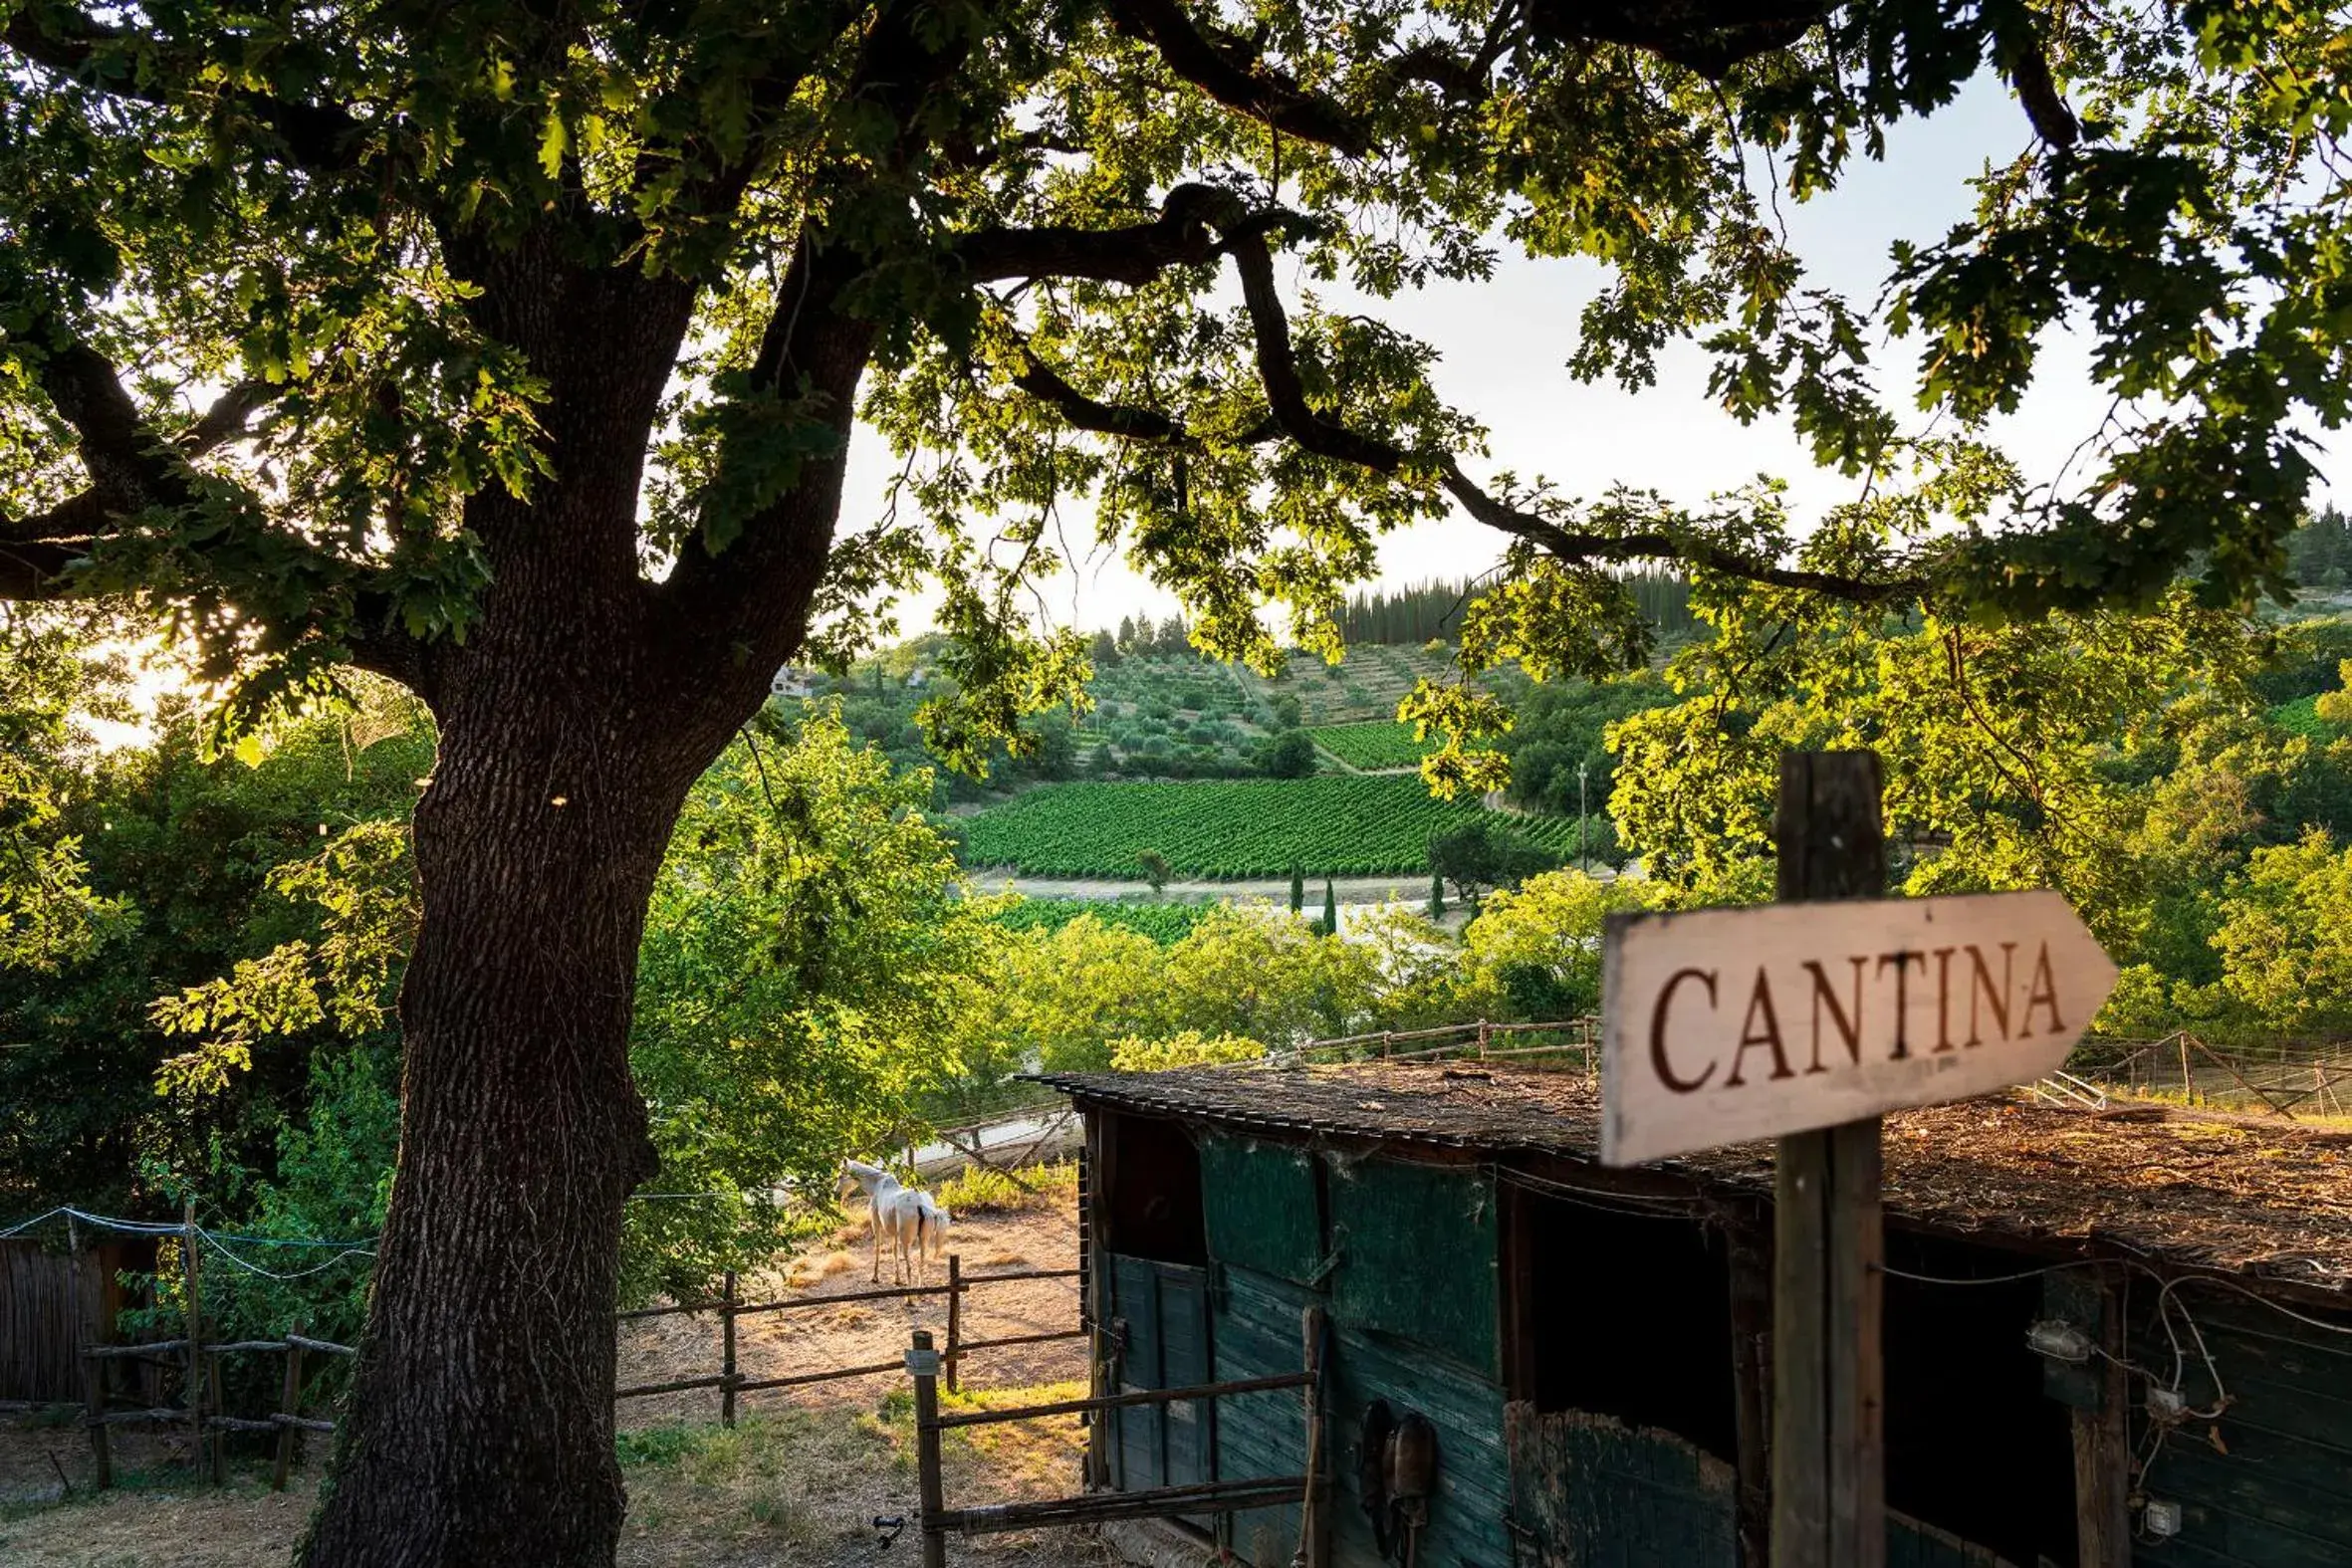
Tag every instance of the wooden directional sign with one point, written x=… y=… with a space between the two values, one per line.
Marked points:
x=1726 y=1024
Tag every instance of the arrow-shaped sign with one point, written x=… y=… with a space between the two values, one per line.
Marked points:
x=1726 y=1024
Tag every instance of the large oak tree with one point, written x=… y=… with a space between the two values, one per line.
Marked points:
x=512 y=347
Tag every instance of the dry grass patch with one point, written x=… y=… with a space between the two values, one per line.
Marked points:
x=801 y=1488
x=159 y=1520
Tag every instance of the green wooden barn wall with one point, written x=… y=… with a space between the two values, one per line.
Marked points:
x=1254 y=1330
x=1912 y=1544
x=1395 y=1229
x=1260 y=1203
x=2281 y=1496
x=1165 y=1309
x=1598 y=1493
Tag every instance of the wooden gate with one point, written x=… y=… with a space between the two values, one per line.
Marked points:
x=1165 y=1311
x=1589 y=1491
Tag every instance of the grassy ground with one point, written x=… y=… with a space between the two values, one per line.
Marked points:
x=795 y=1489
x=796 y=1483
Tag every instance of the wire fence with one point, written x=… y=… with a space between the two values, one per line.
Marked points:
x=2296 y=1081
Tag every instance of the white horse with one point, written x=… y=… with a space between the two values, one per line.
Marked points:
x=915 y=1222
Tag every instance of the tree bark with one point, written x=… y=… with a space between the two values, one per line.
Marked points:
x=579 y=710
x=481 y=1430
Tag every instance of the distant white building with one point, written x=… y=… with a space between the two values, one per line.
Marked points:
x=919 y=679
x=790 y=682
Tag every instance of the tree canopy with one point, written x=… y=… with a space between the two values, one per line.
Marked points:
x=272 y=359
x=514 y=353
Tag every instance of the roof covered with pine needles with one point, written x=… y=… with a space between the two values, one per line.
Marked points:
x=2268 y=1200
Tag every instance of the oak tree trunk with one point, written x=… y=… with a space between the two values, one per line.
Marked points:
x=482 y=1426
x=574 y=716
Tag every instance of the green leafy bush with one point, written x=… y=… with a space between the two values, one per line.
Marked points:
x=1190 y=1048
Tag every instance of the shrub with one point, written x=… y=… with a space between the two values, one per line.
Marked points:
x=1290 y=754
x=1190 y=1048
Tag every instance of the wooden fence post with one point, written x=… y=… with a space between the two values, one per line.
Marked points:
x=289 y=1402
x=2102 y=1442
x=195 y=1356
x=94 y=1371
x=955 y=1316
x=923 y=1363
x=727 y=1351
x=1314 y=1524
x=1828 y=1362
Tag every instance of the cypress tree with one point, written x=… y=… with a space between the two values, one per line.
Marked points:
x=1298 y=892
x=1331 y=910
x=1437 y=896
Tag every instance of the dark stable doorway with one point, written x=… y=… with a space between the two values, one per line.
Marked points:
x=1631 y=1318
x=1151 y=1197
x=1973 y=1444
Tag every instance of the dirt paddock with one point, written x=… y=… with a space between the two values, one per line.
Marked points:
x=796 y=1485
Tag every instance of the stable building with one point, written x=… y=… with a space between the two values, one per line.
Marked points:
x=2110 y=1337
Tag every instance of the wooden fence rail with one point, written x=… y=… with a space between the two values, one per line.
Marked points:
x=730 y=1381
x=202 y=1414
x=196 y=1417
x=1581 y=1036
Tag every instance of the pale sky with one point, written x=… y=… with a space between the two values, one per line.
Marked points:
x=1505 y=344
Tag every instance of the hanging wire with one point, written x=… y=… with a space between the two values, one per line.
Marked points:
x=1987 y=1279
x=1623 y=1204
x=298 y=1273
x=27 y=1225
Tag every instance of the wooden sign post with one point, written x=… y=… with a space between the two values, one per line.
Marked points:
x=1804 y=1020
x=1828 y=1365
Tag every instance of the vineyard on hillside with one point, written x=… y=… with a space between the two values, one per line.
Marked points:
x=1163 y=923
x=1330 y=825
x=1379 y=742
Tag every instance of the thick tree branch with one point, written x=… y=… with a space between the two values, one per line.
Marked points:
x=94 y=53
x=225 y=420
x=753 y=601
x=129 y=468
x=1082 y=412
x=1292 y=416
x=1278 y=366
x=1126 y=421
x=1133 y=255
x=132 y=471
x=1233 y=72
x=34 y=571
x=2045 y=107
x=126 y=474
x=1191 y=217
x=1708 y=36
x=126 y=471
